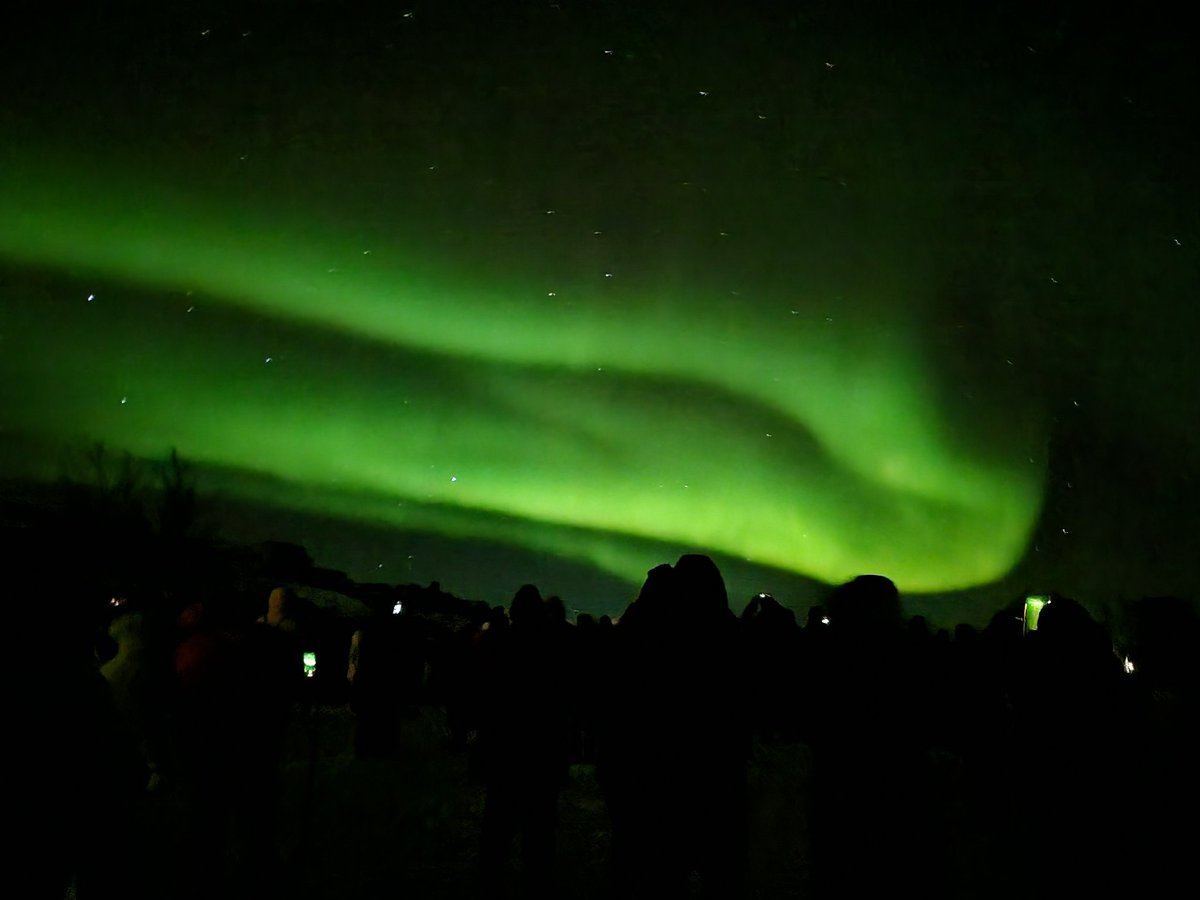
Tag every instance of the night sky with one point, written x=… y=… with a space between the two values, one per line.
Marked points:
x=489 y=293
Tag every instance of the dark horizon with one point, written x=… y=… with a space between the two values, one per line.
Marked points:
x=45 y=519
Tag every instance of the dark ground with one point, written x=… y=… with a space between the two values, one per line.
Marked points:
x=408 y=826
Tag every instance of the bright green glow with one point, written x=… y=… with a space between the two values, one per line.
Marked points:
x=310 y=663
x=456 y=405
x=1034 y=604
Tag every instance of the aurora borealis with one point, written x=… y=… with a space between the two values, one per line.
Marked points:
x=602 y=285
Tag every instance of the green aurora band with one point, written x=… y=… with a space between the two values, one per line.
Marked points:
x=552 y=413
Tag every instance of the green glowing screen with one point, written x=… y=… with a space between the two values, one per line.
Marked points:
x=1034 y=604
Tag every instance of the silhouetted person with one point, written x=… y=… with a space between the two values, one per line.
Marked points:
x=279 y=611
x=674 y=754
x=140 y=679
x=870 y=816
x=524 y=742
x=715 y=724
x=1161 y=703
x=1070 y=741
x=270 y=671
x=84 y=777
x=589 y=649
x=236 y=691
x=772 y=649
x=387 y=682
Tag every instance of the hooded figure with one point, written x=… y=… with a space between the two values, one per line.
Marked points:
x=278 y=611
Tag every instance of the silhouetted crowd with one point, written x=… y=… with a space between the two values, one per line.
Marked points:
x=1002 y=762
